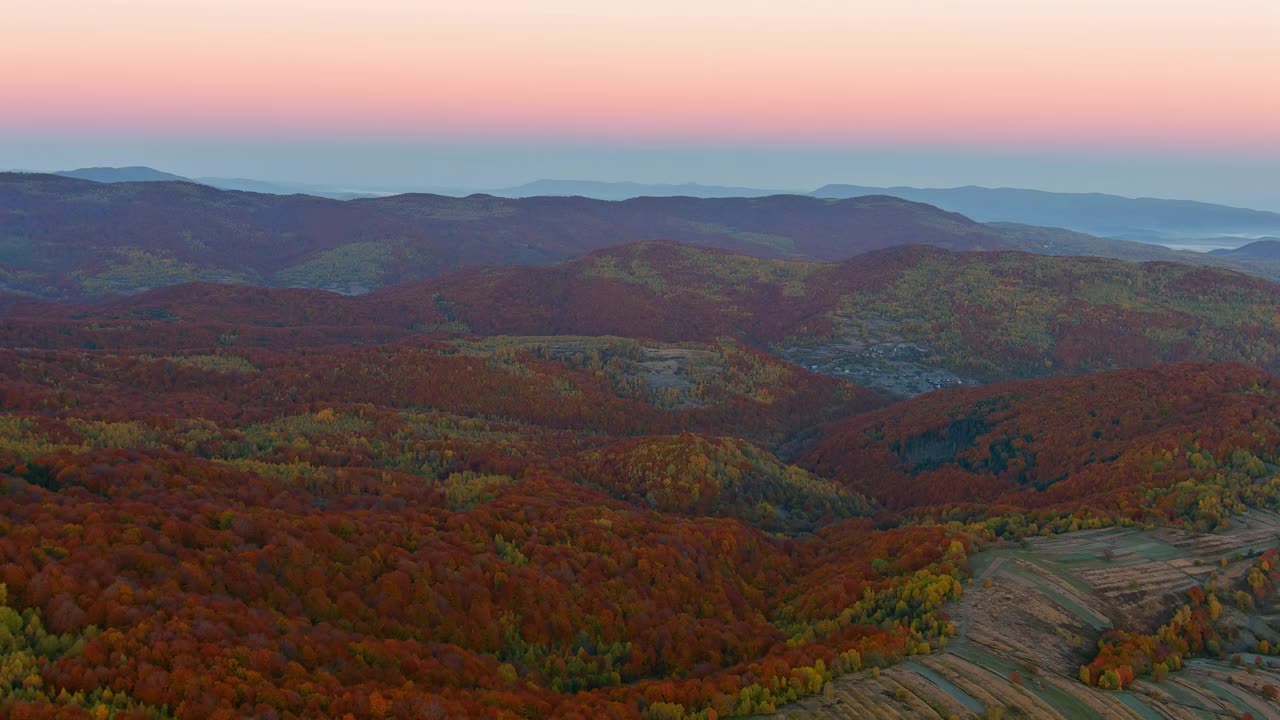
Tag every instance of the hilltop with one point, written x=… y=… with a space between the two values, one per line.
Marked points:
x=135 y=173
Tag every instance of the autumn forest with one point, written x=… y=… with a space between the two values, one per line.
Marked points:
x=602 y=488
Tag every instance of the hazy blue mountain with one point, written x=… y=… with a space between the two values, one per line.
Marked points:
x=1143 y=219
x=538 y=188
x=627 y=190
x=272 y=187
x=1147 y=220
x=68 y=237
x=136 y=173
x=1264 y=249
x=334 y=192
x=139 y=173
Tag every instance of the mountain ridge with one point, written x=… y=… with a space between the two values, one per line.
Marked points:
x=64 y=237
x=967 y=199
x=624 y=190
x=903 y=321
x=1094 y=213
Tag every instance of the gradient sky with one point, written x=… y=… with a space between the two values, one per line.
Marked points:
x=1142 y=97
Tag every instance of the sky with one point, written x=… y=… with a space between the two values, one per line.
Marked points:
x=1166 y=98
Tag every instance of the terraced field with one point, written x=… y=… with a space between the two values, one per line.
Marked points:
x=1033 y=614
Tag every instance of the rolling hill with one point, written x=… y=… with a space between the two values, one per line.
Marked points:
x=67 y=238
x=903 y=321
x=586 y=490
x=1151 y=442
x=882 y=317
x=536 y=528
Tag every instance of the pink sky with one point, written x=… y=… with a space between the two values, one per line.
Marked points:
x=1019 y=73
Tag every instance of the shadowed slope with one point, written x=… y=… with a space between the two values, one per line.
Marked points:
x=1121 y=440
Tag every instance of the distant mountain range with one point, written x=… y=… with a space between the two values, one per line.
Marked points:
x=146 y=174
x=279 y=188
x=538 y=188
x=628 y=190
x=63 y=237
x=1142 y=219
x=1148 y=220
x=136 y=173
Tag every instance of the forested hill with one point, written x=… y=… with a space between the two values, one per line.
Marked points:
x=989 y=315
x=617 y=488
x=68 y=238
x=983 y=316
x=558 y=527
x=1121 y=439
